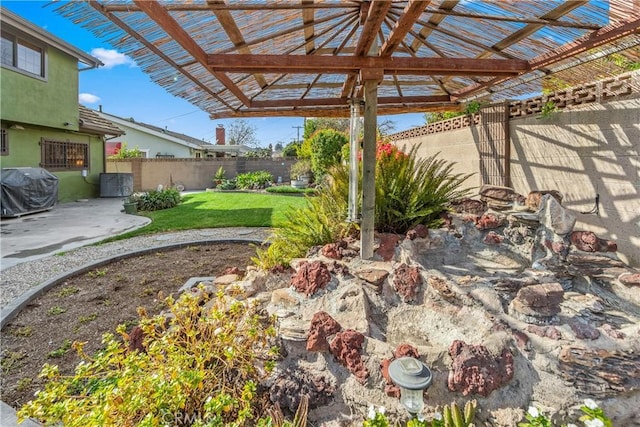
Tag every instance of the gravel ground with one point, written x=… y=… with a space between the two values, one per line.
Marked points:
x=18 y=279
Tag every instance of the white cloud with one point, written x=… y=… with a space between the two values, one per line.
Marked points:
x=111 y=58
x=88 y=98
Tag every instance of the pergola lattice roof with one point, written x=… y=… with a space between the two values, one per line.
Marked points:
x=310 y=57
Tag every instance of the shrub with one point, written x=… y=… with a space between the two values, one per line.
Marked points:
x=227 y=184
x=156 y=200
x=287 y=189
x=409 y=191
x=301 y=168
x=291 y=149
x=200 y=366
x=127 y=153
x=326 y=146
x=254 y=180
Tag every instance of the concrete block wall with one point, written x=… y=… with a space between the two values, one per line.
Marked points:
x=581 y=151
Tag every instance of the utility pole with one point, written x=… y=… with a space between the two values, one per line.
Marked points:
x=298 y=127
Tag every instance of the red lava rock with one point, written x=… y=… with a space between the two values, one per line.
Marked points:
x=407 y=281
x=475 y=370
x=489 y=221
x=310 y=277
x=346 y=347
x=322 y=326
x=476 y=207
x=613 y=333
x=556 y=247
x=136 y=337
x=522 y=340
x=588 y=241
x=583 y=330
x=493 y=238
x=334 y=250
x=420 y=231
x=406 y=350
x=630 y=279
x=387 y=247
x=545 y=331
x=287 y=389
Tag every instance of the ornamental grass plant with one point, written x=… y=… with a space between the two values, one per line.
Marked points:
x=409 y=191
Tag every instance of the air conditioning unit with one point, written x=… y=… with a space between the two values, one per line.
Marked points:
x=116 y=184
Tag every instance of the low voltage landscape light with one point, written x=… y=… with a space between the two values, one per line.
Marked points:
x=413 y=377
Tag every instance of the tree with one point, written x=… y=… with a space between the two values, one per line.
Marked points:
x=240 y=132
x=311 y=126
x=278 y=146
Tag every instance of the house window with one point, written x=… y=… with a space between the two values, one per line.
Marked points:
x=4 y=149
x=64 y=155
x=22 y=55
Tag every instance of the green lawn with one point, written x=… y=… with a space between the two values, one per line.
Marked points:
x=213 y=209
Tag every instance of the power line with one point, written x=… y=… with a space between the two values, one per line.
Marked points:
x=298 y=127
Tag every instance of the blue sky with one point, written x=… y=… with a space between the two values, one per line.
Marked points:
x=124 y=90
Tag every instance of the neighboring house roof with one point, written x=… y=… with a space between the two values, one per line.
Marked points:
x=92 y=122
x=178 y=138
x=19 y=23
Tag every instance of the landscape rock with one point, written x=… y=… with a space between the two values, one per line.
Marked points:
x=613 y=332
x=470 y=206
x=407 y=282
x=537 y=304
x=534 y=198
x=387 y=246
x=346 y=347
x=493 y=238
x=372 y=275
x=322 y=326
x=554 y=216
x=583 y=330
x=441 y=286
x=629 y=279
x=476 y=371
x=311 y=277
x=334 y=250
x=500 y=198
x=545 y=331
x=226 y=280
x=288 y=388
x=490 y=221
x=588 y=241
x=419 y=231
x=402 y=350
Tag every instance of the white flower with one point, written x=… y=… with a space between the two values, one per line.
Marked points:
x=372 y=412
x=593 y=423
x=438 y=416
x=382 y=410
x=590 y=403
x=421 y=417
x=533 y=411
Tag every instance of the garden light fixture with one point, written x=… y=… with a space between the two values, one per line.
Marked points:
x=413 y=377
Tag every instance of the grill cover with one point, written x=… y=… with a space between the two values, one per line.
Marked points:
x=27 y=190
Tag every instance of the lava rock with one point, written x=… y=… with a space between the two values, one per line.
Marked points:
x=289 y=387
x=346 y=347
x=322 y=326
x=420 y=231
x=471 y=206
x=334 y=250
x=475 y=370
x=584 y=330
x=588 y=241
x=535 y=196
x=407 y=281
x=387 y=247
x=311 y=277
x=490 y=221
x=493 y=238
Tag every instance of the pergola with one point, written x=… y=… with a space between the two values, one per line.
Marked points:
x=324 y=58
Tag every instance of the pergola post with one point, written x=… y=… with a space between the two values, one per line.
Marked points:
x=354 y=126
x=371 y=81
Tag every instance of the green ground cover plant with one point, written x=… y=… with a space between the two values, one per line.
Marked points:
x=212 y=209
x=254 y=180
x=201 y=366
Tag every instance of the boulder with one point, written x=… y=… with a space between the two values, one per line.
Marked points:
x=476 y=371
x=553 y=216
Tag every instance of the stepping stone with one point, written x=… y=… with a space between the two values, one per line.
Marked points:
x=195 y=281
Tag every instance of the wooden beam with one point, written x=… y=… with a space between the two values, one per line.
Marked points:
x=235 y=35
x=412 y=11
x=319 y=102
x=161 y=17
x=335 y=111
x=308 y=18
x=242 y=5
x=312 y=64
x=179 y=68
x=434 y=20
x=605 y=35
